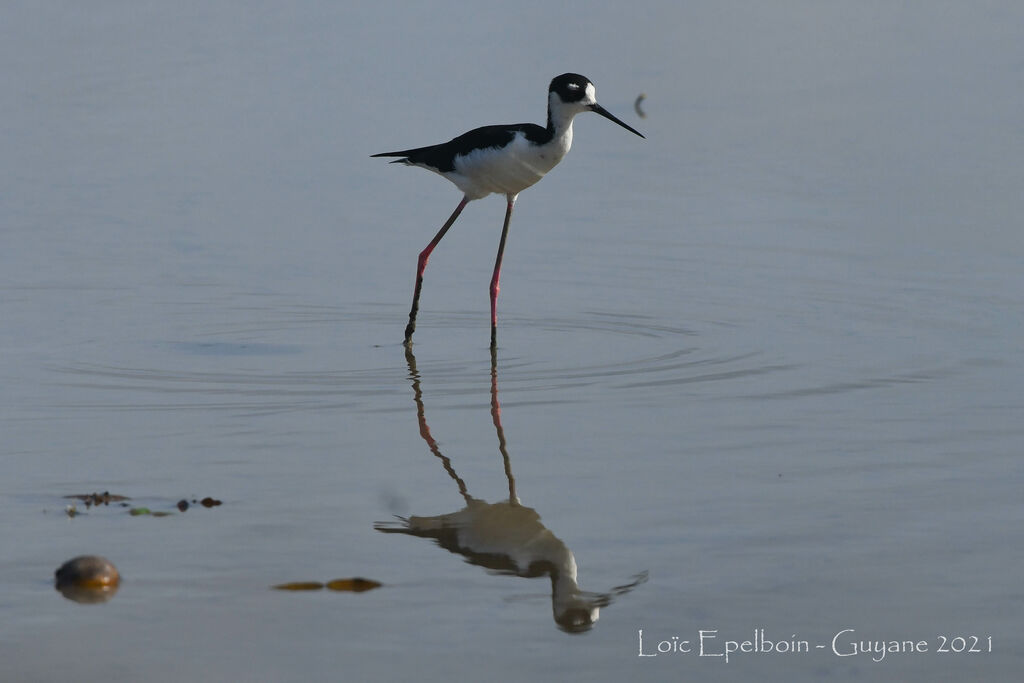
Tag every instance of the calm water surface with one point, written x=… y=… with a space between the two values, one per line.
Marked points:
x=758 y=376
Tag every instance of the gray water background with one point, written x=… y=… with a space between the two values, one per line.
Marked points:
x=769 y=358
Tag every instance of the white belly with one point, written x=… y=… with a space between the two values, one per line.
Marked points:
x=507 y=170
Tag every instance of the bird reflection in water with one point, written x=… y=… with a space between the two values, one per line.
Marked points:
x=505 y=537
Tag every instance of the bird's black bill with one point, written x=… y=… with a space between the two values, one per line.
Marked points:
x=598 y=109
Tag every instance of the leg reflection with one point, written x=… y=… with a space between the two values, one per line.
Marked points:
x=506 y=536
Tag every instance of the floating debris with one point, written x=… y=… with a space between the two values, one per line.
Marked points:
x=299 y=586
x=105 y=498
x=356 y=584
x=138 y=512
x=636 y=105
x=88 y=579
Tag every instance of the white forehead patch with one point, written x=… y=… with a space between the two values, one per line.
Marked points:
x=591 y=93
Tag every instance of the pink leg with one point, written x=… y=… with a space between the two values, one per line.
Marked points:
x=495 y=288
x=421 y=266
x=496 y=418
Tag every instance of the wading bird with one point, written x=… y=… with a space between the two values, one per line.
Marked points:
x=504 y=159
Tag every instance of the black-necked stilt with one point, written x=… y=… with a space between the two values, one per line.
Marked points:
x=505 y=159
x=505 y=536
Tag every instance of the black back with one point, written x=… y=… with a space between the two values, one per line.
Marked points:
x=569 y=87
x=442 y=157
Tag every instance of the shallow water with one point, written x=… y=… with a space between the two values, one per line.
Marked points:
x=758 y=376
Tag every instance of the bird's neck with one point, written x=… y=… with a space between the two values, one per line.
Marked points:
x=560 y=127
